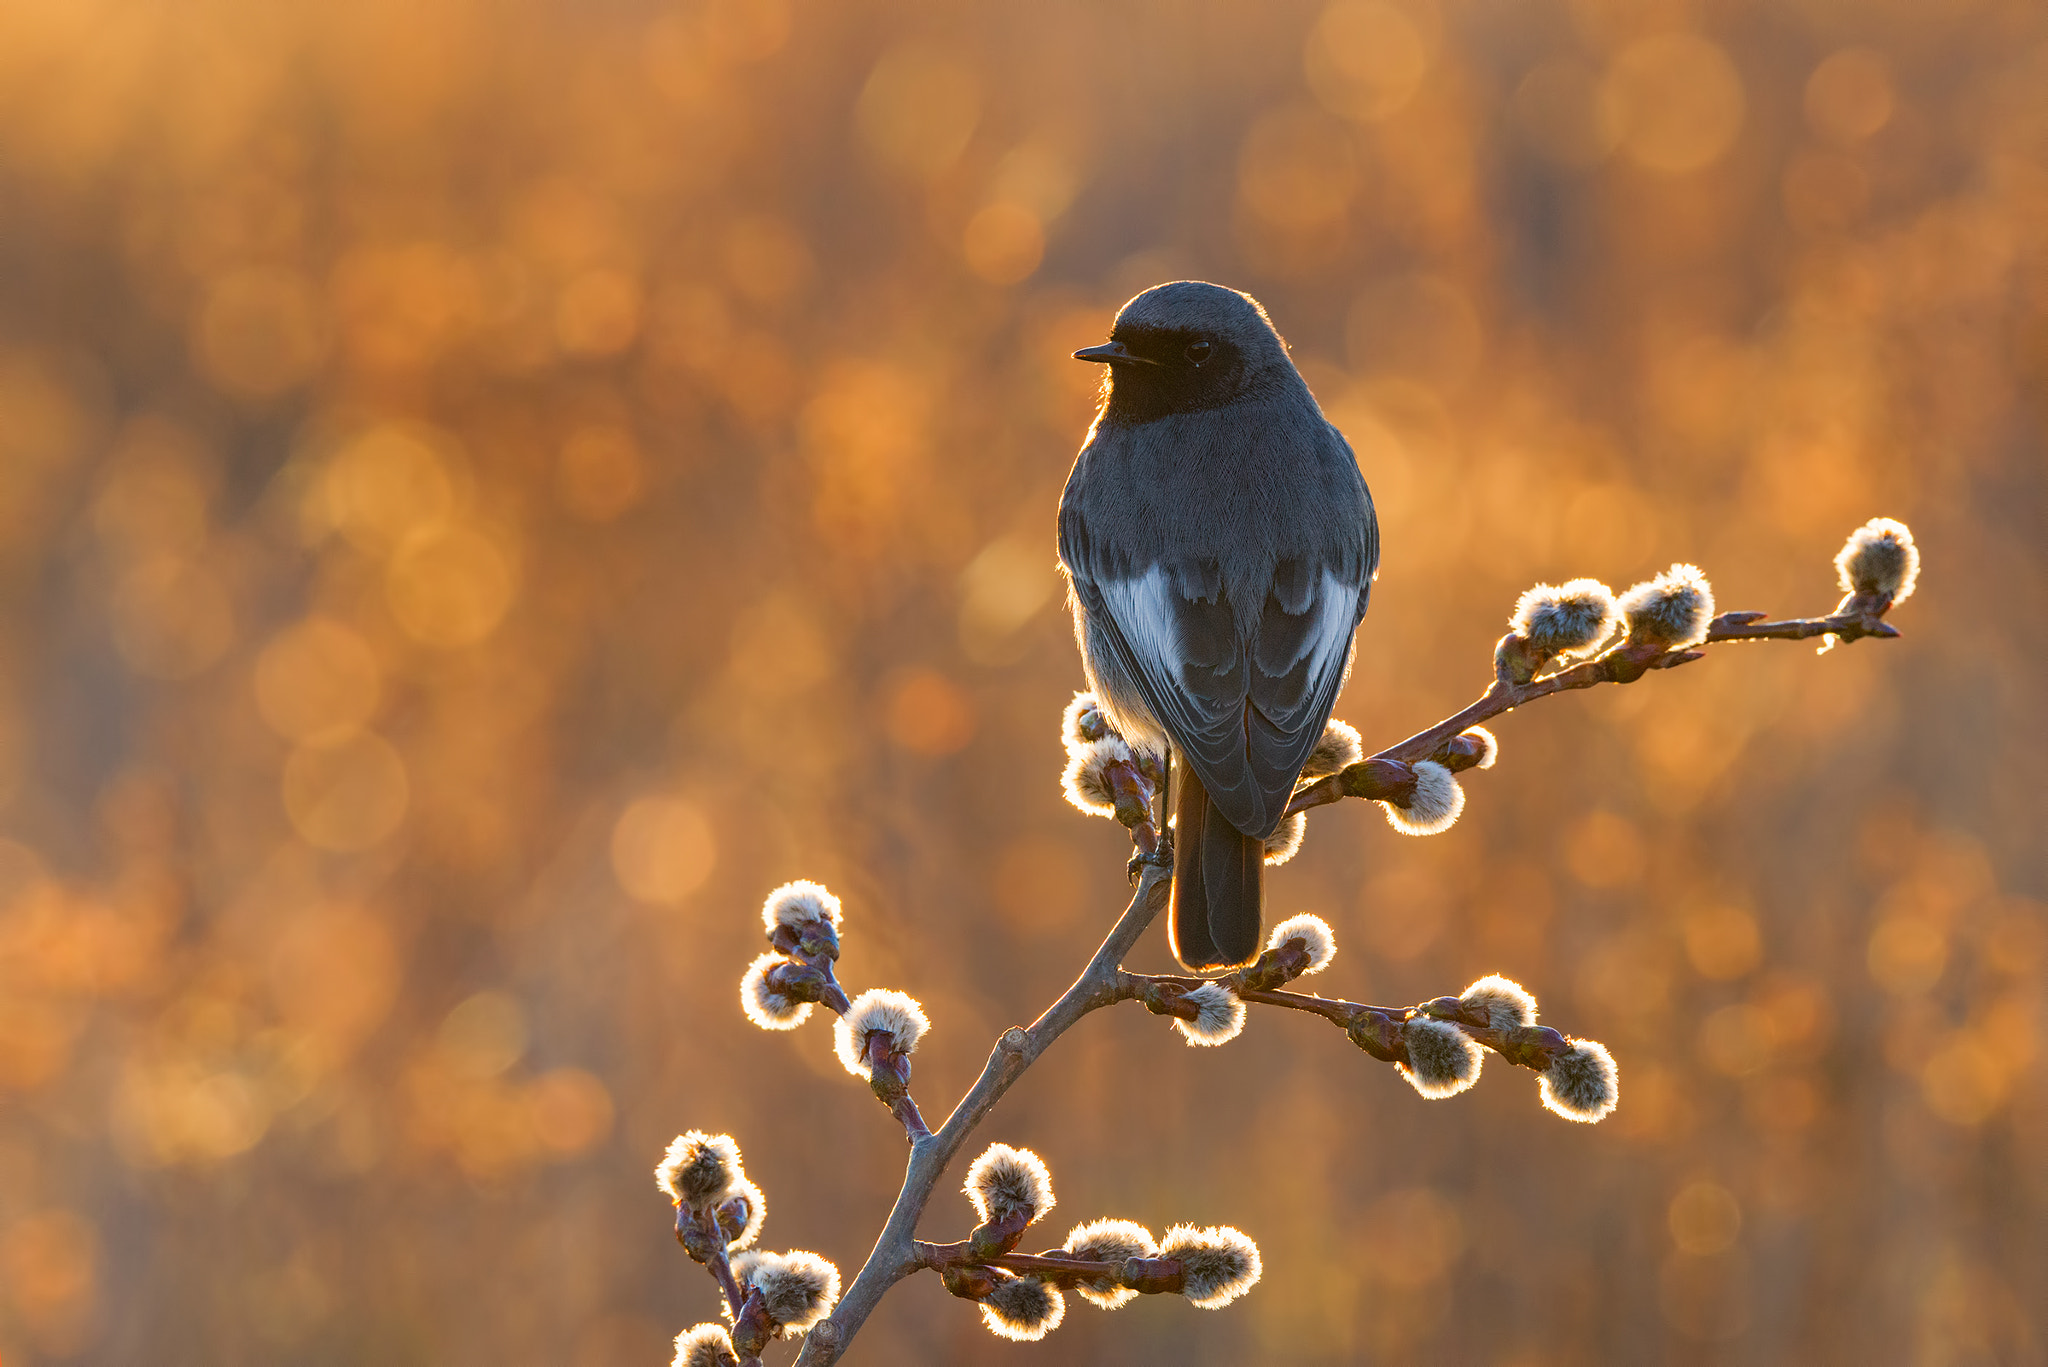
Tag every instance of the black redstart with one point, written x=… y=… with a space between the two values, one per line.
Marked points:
x=1219 y=545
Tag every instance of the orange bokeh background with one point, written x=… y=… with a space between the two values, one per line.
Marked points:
x=488 y=490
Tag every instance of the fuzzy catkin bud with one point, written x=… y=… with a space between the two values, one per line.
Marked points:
x=1565 y=619
x=1220 y=1020
x=1336 y=750
x=1084 y=722
x=1285 y=841
x=895 y=1013
x=765 y=1006
x=1218 y=1264
x=741 y=1215
x=705 y=1345
x=1006 y=1181
x=1086 y=777
x=1435 y=806
x=799 y=1288
x=1880 y=559
x=1582 y=1083
x=1023 y=1308
x=795 y=903
x=1315 y=932
x=1442 y=1060
x=1108 y=1241
x=1507 y=1003
x=699 y=1170
x=1672 y=610
x=1489 y=748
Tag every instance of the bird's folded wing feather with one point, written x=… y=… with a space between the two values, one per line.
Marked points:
x=1244 y=697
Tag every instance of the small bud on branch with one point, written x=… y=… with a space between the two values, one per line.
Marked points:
x=1006 y=1182
x=1218 y=1264
x=1671 y=611
x=878 y=1010
x=705 y=1345
x=1108 y=1241
x=797 y=1288
x=1218 y=1017
x=1500 y=1003
x=1879 y=561
x=772 y=996
x=1022 y=1308
x=699 y=1170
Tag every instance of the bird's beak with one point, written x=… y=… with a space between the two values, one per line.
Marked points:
x=1112 y=353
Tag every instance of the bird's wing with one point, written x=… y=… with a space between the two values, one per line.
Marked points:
x=1244 y=693
x=1181 y=647
x=1302 y=651
x=1299 y=658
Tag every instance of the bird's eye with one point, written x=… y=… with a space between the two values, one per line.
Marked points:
x=1198 y=352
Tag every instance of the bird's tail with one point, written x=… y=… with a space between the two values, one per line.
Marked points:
x=1219 y=877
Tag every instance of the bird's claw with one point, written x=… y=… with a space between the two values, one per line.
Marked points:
x=1161 y=858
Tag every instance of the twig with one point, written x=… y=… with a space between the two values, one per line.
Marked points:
x=1150 y=1276
x=1389 y=776
x=894 y=1255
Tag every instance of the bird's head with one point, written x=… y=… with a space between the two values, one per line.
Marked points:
x=1188 y=346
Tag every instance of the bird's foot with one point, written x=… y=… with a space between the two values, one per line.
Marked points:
x=1161 y=857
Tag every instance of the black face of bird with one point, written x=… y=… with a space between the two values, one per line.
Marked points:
x=1153 y=372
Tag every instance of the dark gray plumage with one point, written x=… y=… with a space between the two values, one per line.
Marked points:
x=1219 y=544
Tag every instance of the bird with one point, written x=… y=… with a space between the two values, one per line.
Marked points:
x=1219 y=545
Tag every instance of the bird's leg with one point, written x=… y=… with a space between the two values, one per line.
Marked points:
x=1134 y=791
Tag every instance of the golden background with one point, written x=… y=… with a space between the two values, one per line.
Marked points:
x=487 y=490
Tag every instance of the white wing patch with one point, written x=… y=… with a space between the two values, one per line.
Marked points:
x=1143 y=610
x=1335 y=608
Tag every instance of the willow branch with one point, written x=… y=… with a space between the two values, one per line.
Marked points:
x=894 y=1255
x=1149 y=1276
x=1389 y=776
x=1528 y=1046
